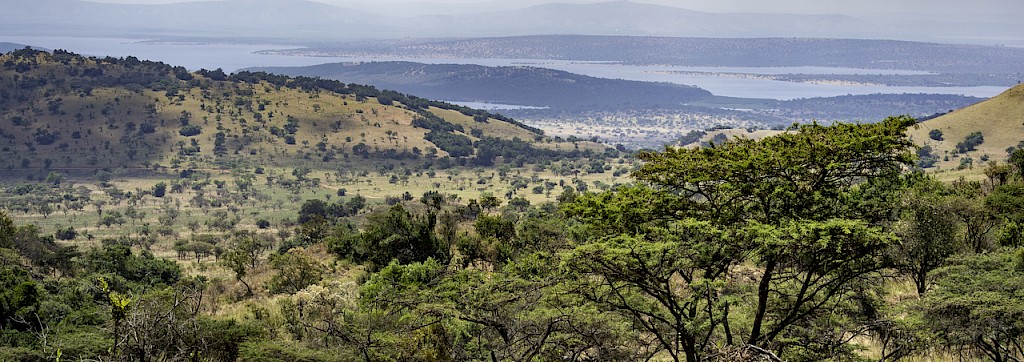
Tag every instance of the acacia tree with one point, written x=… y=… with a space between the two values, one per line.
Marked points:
x=296 y=270
x=929 y=233
x=7 y=231
x=805 y=206
x=243 y=255
x=977 y=219
x=400 y=235
x=523 y=312
x=976 y=306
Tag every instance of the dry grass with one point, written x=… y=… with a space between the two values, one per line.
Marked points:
x=492 y=127
x=1001 y=121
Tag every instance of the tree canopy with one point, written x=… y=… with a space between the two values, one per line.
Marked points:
x=806 y=207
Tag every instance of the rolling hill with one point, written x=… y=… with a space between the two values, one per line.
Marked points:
x=62 y=111
x=7 y=47
x=1000 y=120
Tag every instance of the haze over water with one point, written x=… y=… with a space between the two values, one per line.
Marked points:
x=232 y=57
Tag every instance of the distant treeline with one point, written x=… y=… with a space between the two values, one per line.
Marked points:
x=871 y=107
x=527 y=86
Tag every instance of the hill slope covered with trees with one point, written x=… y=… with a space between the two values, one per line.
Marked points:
x=129 y=113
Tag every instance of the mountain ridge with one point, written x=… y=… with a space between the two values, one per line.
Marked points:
x=301 y=20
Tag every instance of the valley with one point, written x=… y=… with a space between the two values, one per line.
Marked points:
x=586 y=180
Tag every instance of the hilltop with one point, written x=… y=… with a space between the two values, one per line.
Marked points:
x=67 y=112
x=1000 y=121
x=954 y=144
x=7 y=47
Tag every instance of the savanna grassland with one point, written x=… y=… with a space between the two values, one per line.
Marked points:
x=153 y=214
x=266 y=144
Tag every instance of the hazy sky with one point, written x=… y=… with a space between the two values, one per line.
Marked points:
x=782 y=6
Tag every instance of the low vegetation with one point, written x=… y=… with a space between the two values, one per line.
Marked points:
x=816 y=244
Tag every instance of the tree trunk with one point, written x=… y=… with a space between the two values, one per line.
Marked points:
x=248 y=289
x=762 y=302
x=922 y=281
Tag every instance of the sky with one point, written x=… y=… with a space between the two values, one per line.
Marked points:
x=945 y=7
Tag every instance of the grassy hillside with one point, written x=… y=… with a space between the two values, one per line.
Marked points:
x=96 y=136
x=66 y=112
x=1000 y=121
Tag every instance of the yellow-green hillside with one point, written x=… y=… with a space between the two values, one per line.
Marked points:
x=1000 y=121
x=62 y=111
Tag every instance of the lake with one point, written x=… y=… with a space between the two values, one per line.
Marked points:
x=231 y=57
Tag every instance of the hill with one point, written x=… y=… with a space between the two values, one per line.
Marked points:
x=7 y=47
x=1000 y=121
x=67 y=112
x=528 y=86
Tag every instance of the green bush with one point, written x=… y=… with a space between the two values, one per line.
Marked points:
x=67 y=233
x=281 y=351
x=190 y=130
x=19 y=354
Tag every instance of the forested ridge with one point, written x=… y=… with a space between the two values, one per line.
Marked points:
x=521 y=85
x=131 y=113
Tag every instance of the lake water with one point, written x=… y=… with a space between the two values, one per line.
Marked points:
x=232 y=57
x=761 y=88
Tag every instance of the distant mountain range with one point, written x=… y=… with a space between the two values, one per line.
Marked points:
x=314 y=21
